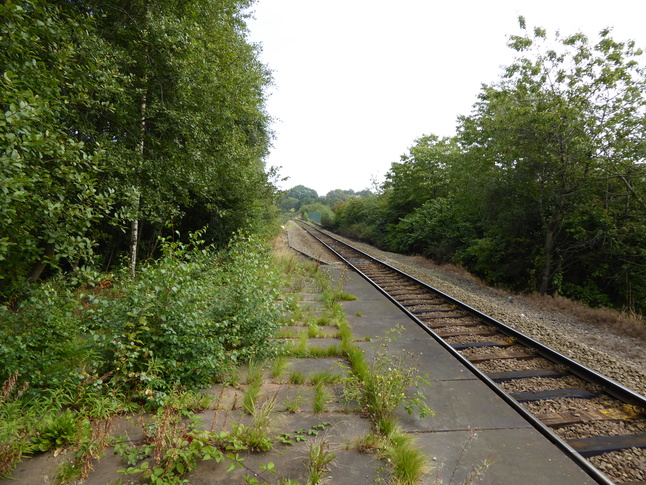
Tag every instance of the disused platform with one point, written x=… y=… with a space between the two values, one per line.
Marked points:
x=471 y=424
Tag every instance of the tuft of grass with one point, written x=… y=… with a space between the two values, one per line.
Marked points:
x=293 y=404
x=409 y=463
x=330 y=351
x=302 y=343
x=297 y=377
x=279 y=366
x=319 y=457
x=325 y=377
x=250 y=398
x=287 y=332
x=313 y=331
x=371 y=442
x=321 y=397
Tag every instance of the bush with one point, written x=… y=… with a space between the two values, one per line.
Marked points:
x=188 y=318
x=40 y=339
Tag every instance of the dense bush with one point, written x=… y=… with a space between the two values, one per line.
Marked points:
x=185 y=320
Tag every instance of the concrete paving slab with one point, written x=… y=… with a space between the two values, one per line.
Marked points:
x=461 y=403
x=294 y=331
x=311 y=366
x=427 y=356
x=518 y=456
x=348 y=467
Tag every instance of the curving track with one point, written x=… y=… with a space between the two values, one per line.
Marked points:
x=596 y=421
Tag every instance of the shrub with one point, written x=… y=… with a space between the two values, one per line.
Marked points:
x=189 y=317
x=41 y=339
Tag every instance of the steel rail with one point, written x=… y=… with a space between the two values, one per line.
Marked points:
x=611 y=387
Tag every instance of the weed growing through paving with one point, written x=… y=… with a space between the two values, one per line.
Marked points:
x=250 y=397
x=279 y=366
x=297 y=377
x=381 y=387
x=321 y=397
x=325 y=376
x=313 y=330
x=293 y=404
x=409 y=464
x=319 y=457
x=302 y=344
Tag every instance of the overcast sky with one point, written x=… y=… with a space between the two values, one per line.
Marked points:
x=357 y=81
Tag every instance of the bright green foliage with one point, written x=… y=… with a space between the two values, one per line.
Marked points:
x=41 y=339
x=420 y=176
x=186 y=320
x=53 y=79
x=57 y=431
x=191 y=316
x=126 y=111
x=559 y=142
x=361 y=218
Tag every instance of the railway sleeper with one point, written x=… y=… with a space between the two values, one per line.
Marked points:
x=530 y=396
x=499 y=355
x=412 y=292
x=598 y=445
x=473 y=345
x=424 y=311
x=525 y=374
x=557 y=420
x=436 y=315
x=460 y=333
x=437 y=324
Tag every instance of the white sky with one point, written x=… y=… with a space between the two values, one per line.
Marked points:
x=357 y=81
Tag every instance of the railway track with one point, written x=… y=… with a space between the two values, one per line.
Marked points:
x=600 y=424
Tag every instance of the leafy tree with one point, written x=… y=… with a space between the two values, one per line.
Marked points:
x=195 y=128
x=554 y=137
x=420 y=176
x=304 y=194
x=361 y=218
x=54 y=80
x=334 y=197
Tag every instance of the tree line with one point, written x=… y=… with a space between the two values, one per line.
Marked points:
x=124 y=121
x=543 y=187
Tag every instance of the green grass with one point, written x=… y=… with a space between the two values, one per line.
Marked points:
x=279 y=366
x=297 y=377
x=408 y=462
x=326 y=377
x=321 y=396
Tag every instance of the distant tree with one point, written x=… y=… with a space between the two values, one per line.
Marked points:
x=304 y=194
x=289 y=204
x=364 y=193
x=421 y=174
x=307 y=210
x=334 y=197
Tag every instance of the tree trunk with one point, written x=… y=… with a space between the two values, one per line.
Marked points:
x=547 y=258
x=40 y=266
x=550 y=244
x=134 y=245
x=134 y=225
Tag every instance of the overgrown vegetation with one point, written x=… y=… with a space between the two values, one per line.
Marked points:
x=188 y=320
x=123 y=122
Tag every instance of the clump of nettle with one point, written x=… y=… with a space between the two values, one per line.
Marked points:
x=186 y=321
